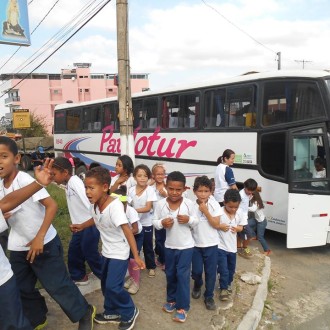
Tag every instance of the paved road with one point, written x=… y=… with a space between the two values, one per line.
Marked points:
x=300 y=287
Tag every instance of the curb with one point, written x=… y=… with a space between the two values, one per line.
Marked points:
x=253 y=316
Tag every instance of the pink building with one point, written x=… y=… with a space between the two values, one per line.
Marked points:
x=41 y=92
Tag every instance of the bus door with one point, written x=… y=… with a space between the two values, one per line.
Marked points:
x=309 y=199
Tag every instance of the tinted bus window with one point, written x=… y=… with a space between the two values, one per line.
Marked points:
x=59 y=121
x=145 y=113
x=291 y=101
x=92 y=119
x=110 y=115
x=214 y=105
x=73 y=120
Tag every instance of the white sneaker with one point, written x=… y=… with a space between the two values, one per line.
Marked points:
x=134 y=288
x=128 y=283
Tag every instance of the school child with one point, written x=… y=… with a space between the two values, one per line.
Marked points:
x=83 y=246
x=158 y=176
x=35 y=249
x=177 y=215
x=319 y=172
x=124 y=169
x=117 y=239
x=231 y=222
x=133 y=282
x=224 y=177
x=141 y=197
x=259 y=221
x=206 y=240
x=244 y=237
x=11 y=311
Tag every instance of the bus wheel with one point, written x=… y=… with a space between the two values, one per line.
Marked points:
x=26 y=163
x=81 y=172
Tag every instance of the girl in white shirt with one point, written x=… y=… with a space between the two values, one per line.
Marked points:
x=124 y=170
x=141 y=197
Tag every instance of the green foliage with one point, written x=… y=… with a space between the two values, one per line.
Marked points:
x=38 y=127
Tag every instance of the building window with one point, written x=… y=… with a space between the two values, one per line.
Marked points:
x=86 y=90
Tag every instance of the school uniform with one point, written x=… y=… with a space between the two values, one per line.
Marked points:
x=223 y=179
x=84 y=244
x=138 y=202
x=115 y=250
x=49 y=267
x=11 y=311
x=133 y=217
x=206 y=248
x=227 y=248
x=179 y=245
x=247 y=232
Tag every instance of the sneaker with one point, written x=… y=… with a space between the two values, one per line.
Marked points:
x=169 y=307
x=267 y=253
x=41 y=326
x=134 y=288
x=210 y=304
x=83 y=281
x=245 y=253
x=152 y=273
x=128 y=283
x=230 y=289
x=180 y=316
x=103 y=318
x=196 y=293
x=86 y=322
x=127 y=325
x=224 y=295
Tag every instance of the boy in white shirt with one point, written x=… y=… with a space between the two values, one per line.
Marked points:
x=232 y=221
x=36 y=252
x=177 y=215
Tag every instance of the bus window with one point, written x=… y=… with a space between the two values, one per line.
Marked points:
x=139 y=115
x=170 y=109
x=241 y=107
x=291 y=101
x=59 y=121
x=73 y=120
x=92 y=119
x=150 y=106
x=214 y=108
x=110 y=115
x=188 y=112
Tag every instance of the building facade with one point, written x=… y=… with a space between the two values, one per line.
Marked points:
x=41 y=92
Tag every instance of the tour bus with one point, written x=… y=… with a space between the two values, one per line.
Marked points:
x=277 y=123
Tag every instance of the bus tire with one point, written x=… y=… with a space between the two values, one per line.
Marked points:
x=26 y=163
x=81 y=172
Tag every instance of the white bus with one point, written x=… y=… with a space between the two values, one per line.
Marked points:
x=277 y=124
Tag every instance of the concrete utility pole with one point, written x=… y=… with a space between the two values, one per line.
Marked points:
x=303 y=62
x=278 y=60
x=124 y=82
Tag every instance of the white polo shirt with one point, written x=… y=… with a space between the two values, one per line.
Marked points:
x=132 y=217
x=5 y=270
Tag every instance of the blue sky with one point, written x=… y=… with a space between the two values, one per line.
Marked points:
x=180 y=42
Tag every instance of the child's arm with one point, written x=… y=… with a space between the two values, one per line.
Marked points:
x=145 y=209
x=131 y=241
x=135 y=228
x=213 y=221
x=236 y=229
x=118 y=182
x=37 y=244
x=75 y=227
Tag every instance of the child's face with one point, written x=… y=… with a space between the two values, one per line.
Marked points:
x=175 y=189
x=8 y=161
x=203 y=193
x=231 y=207
x=95 y=190
x=248 y=192
x=119 y=167
x=230 y=161
x=141 y=177
x=59 y=177
x=318 y=167
x=159 y=174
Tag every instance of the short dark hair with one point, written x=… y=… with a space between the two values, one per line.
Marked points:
x=94 y=164
x=143 y=167
x=251 y=184
x=10 y=144
x=99 y=173
x=176 y=176
x=202 y=181
x=62 y=163
x=127 y=162
x=232 y=195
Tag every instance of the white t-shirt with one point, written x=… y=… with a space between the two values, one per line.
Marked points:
x=228 y=239
x=204 y=234
x=78 y=203
x=258 y=213
x=139 y=202
x=179 y=236
x=158 y=195
x=5 y=270
x=132 y=217
x=245 y=202
x=26 y=219
x=114 y=242
x=319 y=175
x=223 y=179
x=129 y=183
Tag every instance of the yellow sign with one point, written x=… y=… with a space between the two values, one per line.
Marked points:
x=21 y=118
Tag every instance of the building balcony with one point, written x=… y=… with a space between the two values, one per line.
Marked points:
x=12 y=99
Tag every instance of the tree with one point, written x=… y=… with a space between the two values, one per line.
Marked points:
x=38 y=127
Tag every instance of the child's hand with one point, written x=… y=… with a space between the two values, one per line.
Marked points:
x=140 y=263
x=167 y=222
x=7 y=215
x=182 y=219
x=122 y=179
x=203 y=207
x=36 y=248
x=76 y=227
x=224 y=227
x=162 y=192
x=234 y=229
x=44 y=176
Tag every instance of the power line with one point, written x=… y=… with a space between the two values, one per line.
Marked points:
x=303 y=62
x=73 y=34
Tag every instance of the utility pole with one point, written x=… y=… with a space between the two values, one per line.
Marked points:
x=278 y=60
x=124 y=83
x=303 y=62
